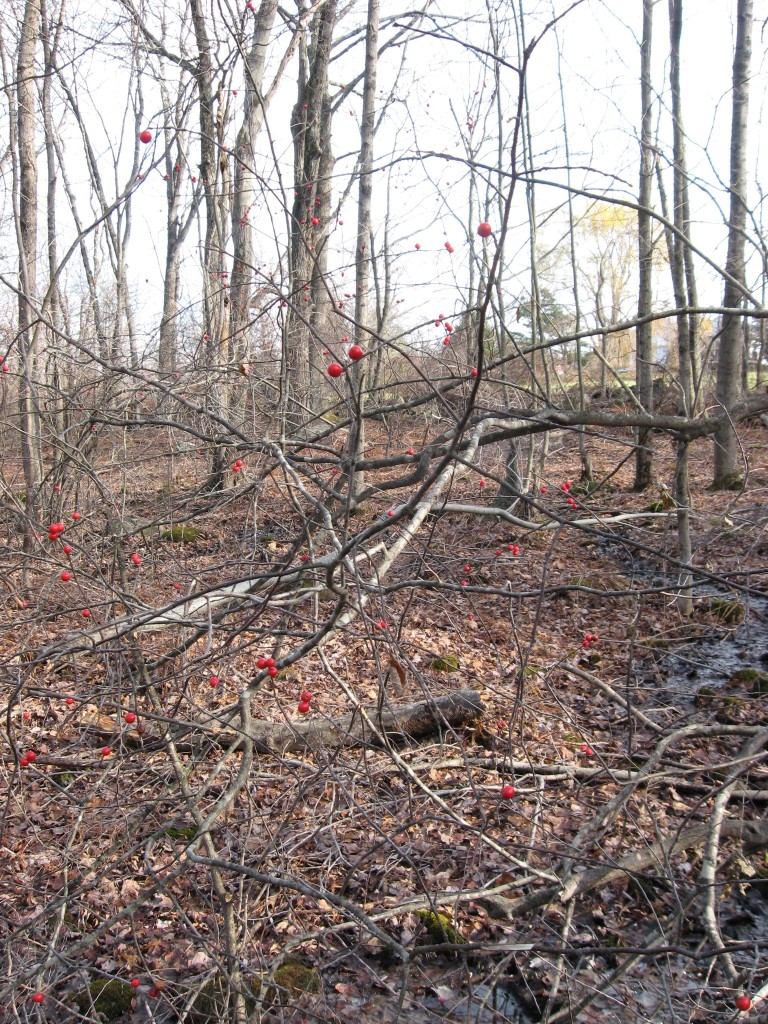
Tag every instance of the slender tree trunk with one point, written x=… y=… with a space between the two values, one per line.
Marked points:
x=311 y=208
x=243 y=270
x=363 y=252
x=644 y=331
x=726 y=474
x=26 y=98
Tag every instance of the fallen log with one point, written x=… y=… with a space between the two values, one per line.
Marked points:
x=400 y=724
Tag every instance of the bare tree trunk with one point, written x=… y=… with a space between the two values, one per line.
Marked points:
x=730 y=353
x=644 y=331
x=215 y=298
x=363 y=253
x=243 y=277
x=309 y=234
x=26 y=98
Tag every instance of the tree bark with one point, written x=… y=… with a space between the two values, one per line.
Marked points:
x=363 y=254
x=26 y=98
x=644 y=331
x=730 y=353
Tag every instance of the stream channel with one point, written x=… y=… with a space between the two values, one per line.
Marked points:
x=671 y=677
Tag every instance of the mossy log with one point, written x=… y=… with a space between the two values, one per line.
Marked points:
x=410 y=721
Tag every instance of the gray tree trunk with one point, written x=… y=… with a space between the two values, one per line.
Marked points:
x=730 y=352
x=644 y=331
x=26 y=99
x=363 y=251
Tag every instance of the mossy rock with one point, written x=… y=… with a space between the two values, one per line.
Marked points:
x=64 y=779
x=664 y=504
x=181 y=534
x=756 y=680
x=440 y=928
x=109 y=997
x=212 y=1001
x=291 y=979
x=729 y=612
x=445 y=663
x=187 y=833
x=705 y=694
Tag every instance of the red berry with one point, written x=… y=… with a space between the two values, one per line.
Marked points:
x=473 y=372
x=70 y=701
x=382 y=624
x=543 y=489
x=411 y=451
x=214 y=681
x=304 y=707
x=146 y=136
x=355 y=352
x=448 y=327
x=449 y=247
x=152 y=991
x=418 y=245
x=482 y=483
x=272 y=671
x=135 y=982
x=391 y=512
x=67 y=549
x=86 y=613
x=130 y=717
x=586 y=749
x=465 y=583
x=484 y=229
x=306 y=696
x=335 y=370
x=136 y=558
x=25 y=715
x=467 y=568
x=315 y=220
x=262 y=663
x=31 y=756
x=76 y=516
x=66 y=576
x=498 y=551
x=447 y=340
x=507 y=792
x=743 y=1003
x=24 y=762
x=105 y=751
x=38 y=997
x=270 y=662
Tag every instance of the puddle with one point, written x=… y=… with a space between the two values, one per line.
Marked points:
x=709 y=661
x=450 y=996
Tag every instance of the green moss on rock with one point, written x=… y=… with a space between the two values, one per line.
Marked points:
x=445 y=663
x=109 y=997
x=440 y=928
x=181 y=534
x=728 y=612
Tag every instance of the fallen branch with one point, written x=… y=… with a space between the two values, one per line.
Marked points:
x=407 y=722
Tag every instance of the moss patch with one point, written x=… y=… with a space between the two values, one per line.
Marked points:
x=440 y=928
x=181 y=534
x=445 y=663
x=728 y=612
x=109 y=997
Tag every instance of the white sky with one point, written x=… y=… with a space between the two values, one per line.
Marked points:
x=438 y=84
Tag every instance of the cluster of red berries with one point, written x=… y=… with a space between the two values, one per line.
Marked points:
x=268 y=664
x=589 y=639
x=566 y=489
x=587 y=750
x=304 y=700
x=237 y=465
x=55 y=530
x=28 y=758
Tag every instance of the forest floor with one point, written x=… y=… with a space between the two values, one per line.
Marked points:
x=96 y=879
